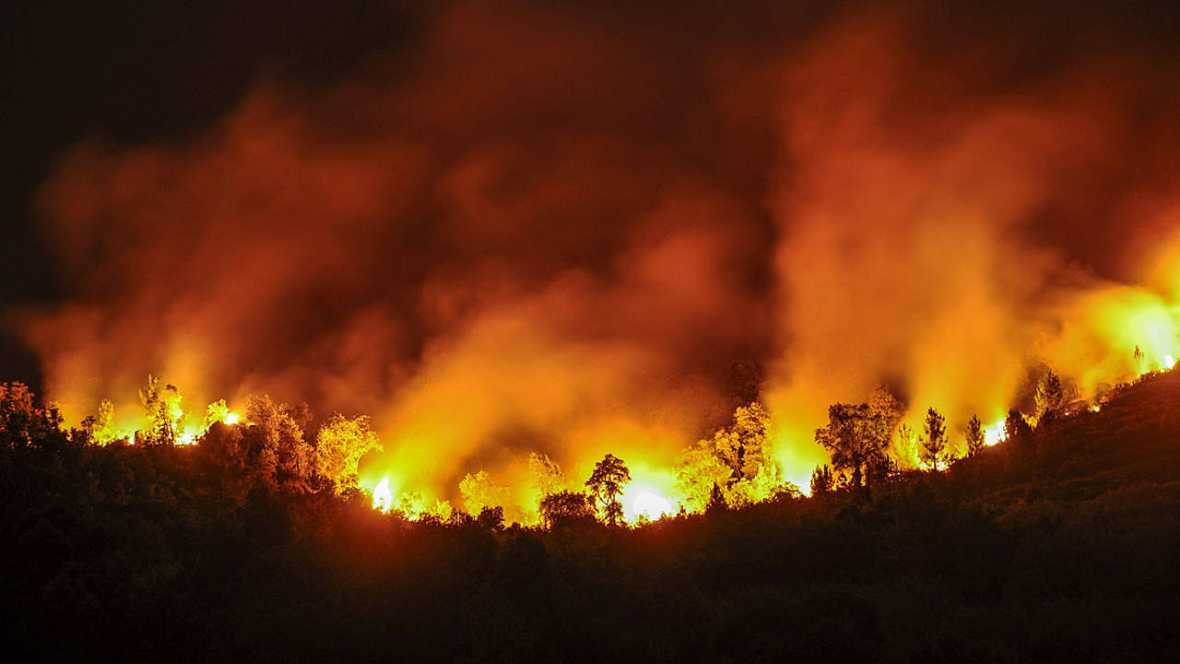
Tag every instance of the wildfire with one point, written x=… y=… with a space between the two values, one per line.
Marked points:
x=994 y=434
x=1125 y=334
x=388 y=496
x=652 y=494
x=643 y=502
x=873 y=254
x=383 y=495
x=163 y=414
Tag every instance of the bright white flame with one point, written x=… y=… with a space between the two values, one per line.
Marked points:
x=994 y=433
x=647 y=503
x=232 y=418
x=187 y=437
x=1169 y=362
x=383 y=495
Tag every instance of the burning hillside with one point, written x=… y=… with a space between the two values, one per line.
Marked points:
x=660 y=331
x=543 y=237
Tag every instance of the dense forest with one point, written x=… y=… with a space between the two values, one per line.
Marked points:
x=1057 y=545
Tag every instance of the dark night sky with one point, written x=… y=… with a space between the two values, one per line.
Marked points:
x=138 y=72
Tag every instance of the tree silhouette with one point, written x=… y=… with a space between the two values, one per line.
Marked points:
x=822 y=481
x=973 y=435
x=1049 y=397
x=744 y=382
x=856 y=436
x=491 y=518
x=100 y=428
x=933 y=450
x=886 y=406
x=161 y=408
x=23 y=423
x=275 y=441
x=118 y=534
x=717 y=501
x=565 y=507
x=1015 y=426
x=606 y=485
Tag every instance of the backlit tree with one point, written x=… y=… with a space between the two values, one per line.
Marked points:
x=606 y=485
x=822 y=481
x=276 y=444
x=1049 y=398
x=340 y=444
x=565 y=507
x=161 y=409
x=973 y=436
x=1016 y=428
x=856 y=436
x=934 y=439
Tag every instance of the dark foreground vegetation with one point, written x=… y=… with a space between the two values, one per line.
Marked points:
x=1062 y=544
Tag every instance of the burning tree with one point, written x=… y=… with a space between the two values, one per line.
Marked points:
x=857 y=436
x=736 y=458
x=545 y=474
x=905 y=442
x=340 y=444
x=480 y=492
x=606 y=485
x=161 y=407
x=741 y=446
x=275 y=439
x=101 y=427
x=698 y=471
x=219 y=411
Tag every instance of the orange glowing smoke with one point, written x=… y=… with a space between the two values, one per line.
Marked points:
x=549 y=235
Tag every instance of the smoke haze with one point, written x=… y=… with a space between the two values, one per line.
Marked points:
x=556 y=229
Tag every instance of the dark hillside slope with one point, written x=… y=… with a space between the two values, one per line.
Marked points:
x=1059 y=546
x=1134 y=441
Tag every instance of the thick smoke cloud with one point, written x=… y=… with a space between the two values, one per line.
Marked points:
x=553 y=229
